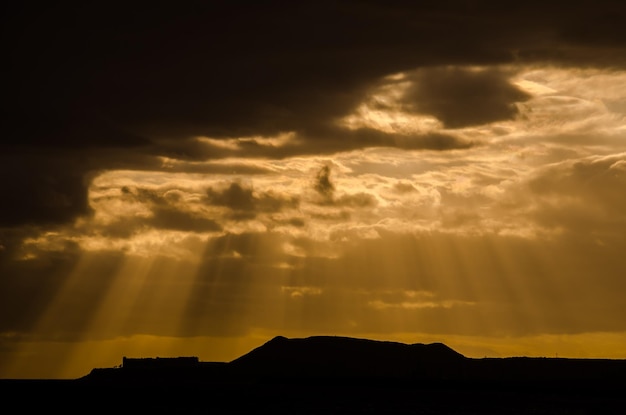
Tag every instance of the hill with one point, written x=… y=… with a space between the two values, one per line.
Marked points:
x=341 y=357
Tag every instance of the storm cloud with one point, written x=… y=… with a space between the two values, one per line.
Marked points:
x=461 y=98
x=143 y=80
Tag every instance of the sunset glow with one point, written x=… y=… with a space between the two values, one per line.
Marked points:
x=476 y=202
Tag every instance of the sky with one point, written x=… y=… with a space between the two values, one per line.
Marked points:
x=195 y=178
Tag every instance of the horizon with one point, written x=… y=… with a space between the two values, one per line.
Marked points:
x=194 y=179
x=118 y=364
x=199 y=361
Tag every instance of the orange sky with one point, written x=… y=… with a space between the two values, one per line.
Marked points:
x=167 y=200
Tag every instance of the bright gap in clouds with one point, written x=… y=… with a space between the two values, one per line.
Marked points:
x=518 y=237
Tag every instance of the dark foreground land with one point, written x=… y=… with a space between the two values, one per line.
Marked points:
x=331 y=375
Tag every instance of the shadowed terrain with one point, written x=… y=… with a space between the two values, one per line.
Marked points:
x=324 y=374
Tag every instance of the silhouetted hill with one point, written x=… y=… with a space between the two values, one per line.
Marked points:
x=326 y=374
x=333 y=357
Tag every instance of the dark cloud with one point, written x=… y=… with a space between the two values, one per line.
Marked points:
x=403 y=187
x=228 y=70
x=323 y=185
x=247 y=203
x=108 y=76
x=325 y=139
x=49 y=186
x=297 y=222
x=335 y=139
x=234 y=196
x=463 y=97
x=40 y=189
x=167 y=213
x=139 y=82
x=326 y=189
x=174 y=219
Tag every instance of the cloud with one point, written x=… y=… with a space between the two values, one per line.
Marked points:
x=49 y=186
x=234 y=197
x=247 y=203
x=41 y=190
x=582 y=196
x=168 y=213
x=403 y=187
x=137 y=209
x=316 y=140
x=323 y=185
x=119 y=88
x=182 y=71
x=368 y=137
x=463 y=97
x=327 y=190
x=171 y=218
